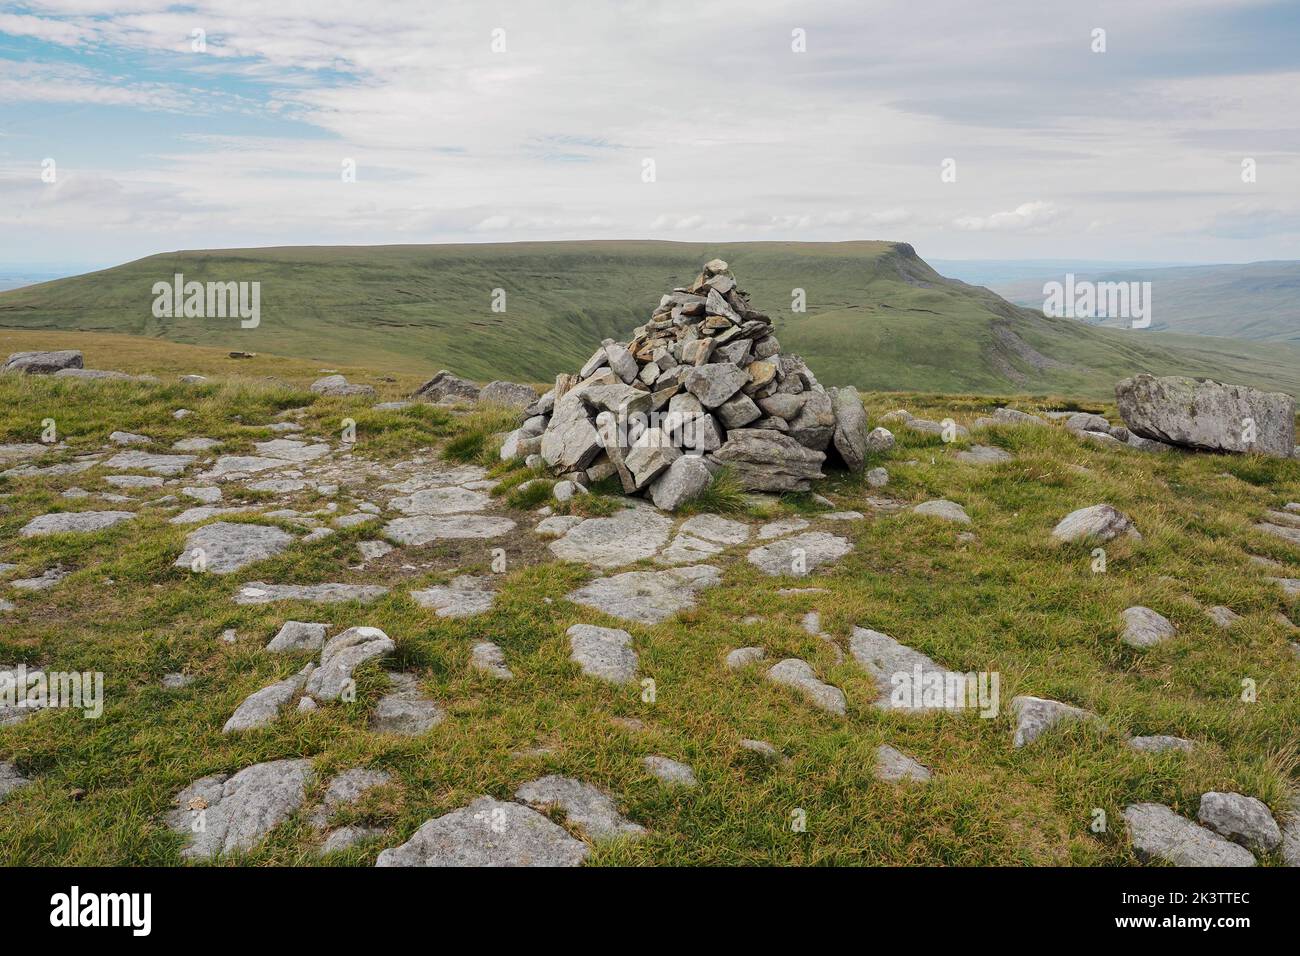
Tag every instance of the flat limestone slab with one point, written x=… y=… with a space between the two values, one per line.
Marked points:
x=612 y=542
x=1160 y=834
x=422 y=529
x=801 y=554
x=225 y=547
x=647 y=597
x=78 y=522
x=238 y=811
x=259 y=592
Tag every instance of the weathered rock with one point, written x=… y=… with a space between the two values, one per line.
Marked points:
x=298 y=636
x=443 y=386
x=766 y=460
x=583 y=804
x=683 y=481
x=880 y=440
x=78 y=522
x=801 y=554
x=10 y=780
x=259 y=592
x=715 y=528
x=405 y=710
x=622 y=538
x=651 y=455
x=488 y=658
x=488 y=832
x=464 y=596
x=669 y=771
x=224 y=547
x=984 y=455
x=744 y=656
x=894 y=766
x=647 y=597
x=166 y=465
x=603 y=652
x=1143 y=627
x=229 y=814
x=1036 y=715
x=1160 y=743
x=905 y=678
x=1100 y=523
x=944 y=510
x=509 y=394
x=260 y=709
x=850 y=435
x=714 y=384
x=798 y=674
x=419 y=530
x=337 y=386
x=570 y=445
x=42 y=363
x=1241 y=819
x=341 y=655
x=1160 y=834
x=1204 y=414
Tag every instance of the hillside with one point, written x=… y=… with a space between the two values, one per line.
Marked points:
x=1258 y=301
x=877 y=316
x=685 y=741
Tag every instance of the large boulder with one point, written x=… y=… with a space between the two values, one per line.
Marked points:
x=444 y=386
x=42 y=363
x=766 y=460
x=1208 y=415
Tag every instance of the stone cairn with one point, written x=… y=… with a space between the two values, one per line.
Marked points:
x=702 y=385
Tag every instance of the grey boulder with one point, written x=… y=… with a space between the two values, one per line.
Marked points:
x=850 y=436
x=1209 y=415
x=1160 y=834
x=488 y=832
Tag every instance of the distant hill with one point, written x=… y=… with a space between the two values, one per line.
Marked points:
x=877 y=315
x=1257 y=300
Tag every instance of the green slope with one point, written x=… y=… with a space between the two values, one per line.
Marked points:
x=877 y=316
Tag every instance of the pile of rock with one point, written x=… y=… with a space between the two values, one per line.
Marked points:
x=702 y=385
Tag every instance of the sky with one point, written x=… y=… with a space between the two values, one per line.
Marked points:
x=971 y=130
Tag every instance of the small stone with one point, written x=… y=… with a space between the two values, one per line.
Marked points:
x=1143 y=628
x=298 y=636
x=1241 y=819
x=128 y=438
x=801 y=554
x=406 y=710
x=744 y=656
x=1225 y=617
x=603 y=652
x=207 y=494
x=944 y=510
x=341 y=655
x=464 y=596
x=259 y=592
x=798 y=674
x=1160 y=743
x=893 y=765
x=261 y=708
x=984 y=455
x=176 y=681
x=670 y=772
x=583 y=804
x=1099 y=523
x=1035 y=715
x=488 y=658
x=877 y=478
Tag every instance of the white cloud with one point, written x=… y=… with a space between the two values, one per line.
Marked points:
x=1025 y=217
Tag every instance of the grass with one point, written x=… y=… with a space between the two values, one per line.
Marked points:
x=877 y=316
x=1006 y=601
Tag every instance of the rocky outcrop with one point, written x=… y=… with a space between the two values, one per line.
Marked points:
x=1208 y=415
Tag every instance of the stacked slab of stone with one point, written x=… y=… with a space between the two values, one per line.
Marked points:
x=702 y=384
